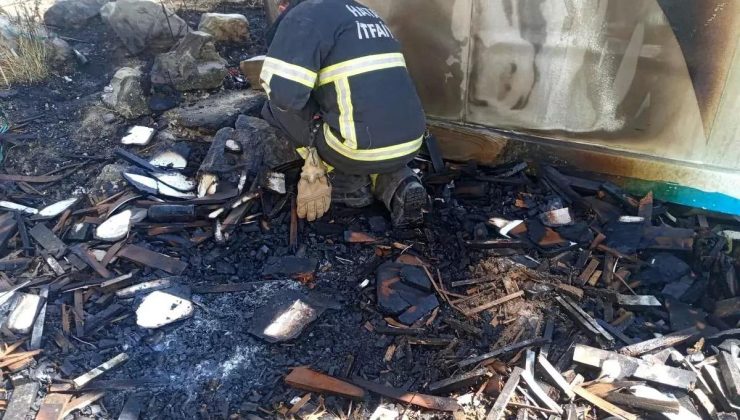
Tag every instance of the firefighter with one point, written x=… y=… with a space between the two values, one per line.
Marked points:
x=339 y=89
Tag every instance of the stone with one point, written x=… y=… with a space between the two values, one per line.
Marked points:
x=61 y=55
x=194 y=64
x=95 y=126
x=144 y=25
x=125 y=95
x=8 y=32
x=160 y=308
x=225 y=27
x=109 y=181
x=213 y=113
x=72 y=13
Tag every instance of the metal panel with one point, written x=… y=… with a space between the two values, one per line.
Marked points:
x=435 y=42
x=637 y=80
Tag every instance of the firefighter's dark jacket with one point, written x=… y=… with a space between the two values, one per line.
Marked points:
x=342 y=55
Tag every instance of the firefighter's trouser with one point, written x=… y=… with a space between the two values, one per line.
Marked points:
x=297 y=127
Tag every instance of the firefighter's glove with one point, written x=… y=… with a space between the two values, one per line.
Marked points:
x=314 y=190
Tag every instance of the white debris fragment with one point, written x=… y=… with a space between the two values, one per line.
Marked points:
x=9 y=205
x=115 y=228
x=233 y=146
x=556 y=218
x=631 y=219
x=176 y=180
x=58 y=208
x=289 y=323
x=161 y=308
x=142 y=182
x=276 y=182
x=138 y=135
x=138 y=215
x=214 y=214
x=25 y=309
x=385 y=413
x=99 y=254
x=509 y=227
x=207 y=184
x=169 y=159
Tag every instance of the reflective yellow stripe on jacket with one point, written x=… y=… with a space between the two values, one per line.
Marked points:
x=360 y=65
x=381 y=153
x=274 y=67
x=339 y=74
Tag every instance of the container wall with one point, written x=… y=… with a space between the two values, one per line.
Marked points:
x=657 y=78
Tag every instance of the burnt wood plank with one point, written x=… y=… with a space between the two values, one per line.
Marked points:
x=153 y=259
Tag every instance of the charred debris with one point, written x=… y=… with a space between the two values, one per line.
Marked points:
x=538 y=293
x=528 y=291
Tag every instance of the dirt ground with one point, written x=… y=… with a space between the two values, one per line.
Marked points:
x=209 y=366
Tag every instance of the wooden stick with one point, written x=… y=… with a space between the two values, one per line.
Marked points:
x=532 y=407
x=494 y=303
x=555 y=376
x=82 y=402
x=84 y=379
x=506 y=349
x=659 y=343
x=497 y=411
x=540 y=393
x=604 y=405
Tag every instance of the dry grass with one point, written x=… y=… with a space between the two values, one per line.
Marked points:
x=28 y=60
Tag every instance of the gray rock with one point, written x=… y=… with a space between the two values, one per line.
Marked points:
x=8 y=32
x=109 y=118
x=125 y=94
x=72 y=13
x=61 y=55
x=109 y=181
x=194 y=64
x=144 y=25
x=230 y=27
x=95 y=125
x=213 y=113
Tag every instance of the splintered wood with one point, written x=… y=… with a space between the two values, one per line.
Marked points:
x=638 y=368
x=309 y=380
x=604 y=405
x=498 y=410
x=83 y=380
x=493 y=303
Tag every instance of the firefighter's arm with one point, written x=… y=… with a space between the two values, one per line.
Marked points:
x=292 y=64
